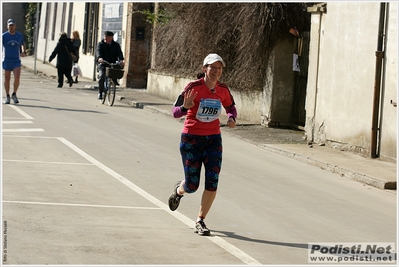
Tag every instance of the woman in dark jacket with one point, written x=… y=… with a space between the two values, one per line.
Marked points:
x=64 y=63
x=76 y=43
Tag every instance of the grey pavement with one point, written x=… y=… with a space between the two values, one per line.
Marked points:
x=374 y=172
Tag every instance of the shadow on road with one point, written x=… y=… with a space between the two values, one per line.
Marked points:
x=244 y=238
x=62 y=109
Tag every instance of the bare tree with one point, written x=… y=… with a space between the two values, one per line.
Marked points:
x=243 y=34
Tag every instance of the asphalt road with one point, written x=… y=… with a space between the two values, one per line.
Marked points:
x=84 y=183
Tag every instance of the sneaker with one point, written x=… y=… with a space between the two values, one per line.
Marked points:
x=174 y=198
x=14 y=98
x=201 y=229
x=7 y=100
x=100 y=96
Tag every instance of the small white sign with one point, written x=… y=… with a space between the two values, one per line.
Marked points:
x=111 y=10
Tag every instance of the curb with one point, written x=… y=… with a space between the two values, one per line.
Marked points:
x=40 y=73
x=372 y=181
x=141 y=105
x=366 y=179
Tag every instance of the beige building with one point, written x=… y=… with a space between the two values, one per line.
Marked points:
x=342 y=77
x=91 y=20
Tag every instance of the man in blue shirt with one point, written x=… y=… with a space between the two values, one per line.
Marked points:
x=13 y=49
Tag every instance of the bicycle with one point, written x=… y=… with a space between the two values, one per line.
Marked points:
x=113 y=71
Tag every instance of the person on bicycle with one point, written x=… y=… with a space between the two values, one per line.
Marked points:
x=110 y=51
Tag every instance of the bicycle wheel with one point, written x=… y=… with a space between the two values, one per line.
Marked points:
x=106 y=87
x=111 y=92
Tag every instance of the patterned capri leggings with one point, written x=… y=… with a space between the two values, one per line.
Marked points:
x=197 y=150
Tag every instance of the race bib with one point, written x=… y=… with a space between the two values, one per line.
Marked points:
x=209 y=110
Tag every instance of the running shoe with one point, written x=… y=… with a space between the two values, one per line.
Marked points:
x=201 y=229
x=14 y=98
x=174 y=198
x=7 y=100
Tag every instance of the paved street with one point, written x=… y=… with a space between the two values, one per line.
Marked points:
x=84 y=183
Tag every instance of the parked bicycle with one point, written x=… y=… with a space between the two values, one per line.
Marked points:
x=113 y=72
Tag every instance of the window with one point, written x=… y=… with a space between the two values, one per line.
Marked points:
x=54 y=21
x=47 y=19
x=90 y=30
x=70 y=15
x=64 y=5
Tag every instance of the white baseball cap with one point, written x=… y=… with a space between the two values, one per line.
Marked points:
x=212 y=58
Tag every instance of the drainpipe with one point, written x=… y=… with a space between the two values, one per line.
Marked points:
x=377 y=83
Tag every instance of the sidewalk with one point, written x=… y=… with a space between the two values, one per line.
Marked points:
x=373 y=172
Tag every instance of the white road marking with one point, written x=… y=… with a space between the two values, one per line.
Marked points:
x=13 y=118
x=29 y=136
x=47 y=162
x=26 y=116
x=79 y=205
x=217 y=240
x=16 y=122
x=23 y=130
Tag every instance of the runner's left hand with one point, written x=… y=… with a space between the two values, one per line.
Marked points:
x=231 y=123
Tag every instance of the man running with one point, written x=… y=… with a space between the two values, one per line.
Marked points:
x=13 y=49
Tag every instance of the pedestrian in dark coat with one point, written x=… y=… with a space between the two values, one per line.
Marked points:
x=64 y=63
x=76 y=44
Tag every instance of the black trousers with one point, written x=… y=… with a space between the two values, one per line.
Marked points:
x=101 y=76
x=64 y=71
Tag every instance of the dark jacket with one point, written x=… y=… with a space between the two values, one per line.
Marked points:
x=76 y=44
x=60 y=51
x=110 y=53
